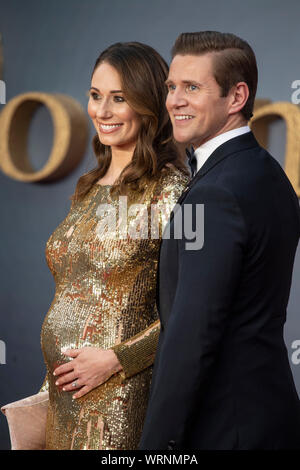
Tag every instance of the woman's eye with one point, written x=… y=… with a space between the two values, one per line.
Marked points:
x=95 y=96
x=119 y=99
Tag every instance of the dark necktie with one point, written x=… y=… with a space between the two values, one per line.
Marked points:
x=192 y=159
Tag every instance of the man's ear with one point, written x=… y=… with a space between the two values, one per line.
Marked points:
x=239 y=94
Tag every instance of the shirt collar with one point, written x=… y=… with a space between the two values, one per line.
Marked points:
x=205 y=150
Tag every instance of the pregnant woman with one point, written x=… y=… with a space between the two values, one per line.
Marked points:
x=100 y=334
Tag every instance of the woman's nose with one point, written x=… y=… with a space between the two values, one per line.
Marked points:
x=104 y=110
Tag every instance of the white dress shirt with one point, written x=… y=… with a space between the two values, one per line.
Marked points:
x=205 y=150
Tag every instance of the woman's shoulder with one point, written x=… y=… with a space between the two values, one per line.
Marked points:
x=170 y=175
x=169 y=185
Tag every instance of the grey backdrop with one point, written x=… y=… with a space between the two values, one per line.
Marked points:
x=51 y=46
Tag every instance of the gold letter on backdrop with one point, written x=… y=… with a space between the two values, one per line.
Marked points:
x=70 y=136
x=266 y=113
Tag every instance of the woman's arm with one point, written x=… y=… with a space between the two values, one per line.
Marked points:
x=45 y=385
x=137 y=353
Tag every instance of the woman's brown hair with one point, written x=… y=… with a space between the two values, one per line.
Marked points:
x=142 y=72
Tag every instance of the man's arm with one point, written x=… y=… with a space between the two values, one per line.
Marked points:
x=207 y=283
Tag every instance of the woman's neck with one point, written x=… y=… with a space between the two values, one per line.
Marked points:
x=119 y=160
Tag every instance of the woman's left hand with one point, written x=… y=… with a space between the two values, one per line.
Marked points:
x=89 y=368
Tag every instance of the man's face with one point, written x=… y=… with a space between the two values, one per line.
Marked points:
x=197 y=111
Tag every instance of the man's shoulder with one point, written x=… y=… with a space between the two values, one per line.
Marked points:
x=253 y=172
x=249 y=170
x=243 y=174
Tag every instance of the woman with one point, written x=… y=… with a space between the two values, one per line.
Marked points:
x=104 y=260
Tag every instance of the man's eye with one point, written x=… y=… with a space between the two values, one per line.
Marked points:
x=192 y=87
x=171 y=87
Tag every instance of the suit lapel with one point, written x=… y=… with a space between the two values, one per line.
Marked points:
x=241 y=142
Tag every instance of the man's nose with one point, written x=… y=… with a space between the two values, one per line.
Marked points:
x=176 y=99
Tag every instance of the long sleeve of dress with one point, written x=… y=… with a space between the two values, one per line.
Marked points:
x=138 y=352
x=45 y=385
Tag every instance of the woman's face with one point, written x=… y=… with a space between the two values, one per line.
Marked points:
x=116 y=123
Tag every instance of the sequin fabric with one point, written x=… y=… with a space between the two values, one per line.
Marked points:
x=105 y=297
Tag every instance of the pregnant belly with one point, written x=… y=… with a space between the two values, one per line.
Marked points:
x=73 y=324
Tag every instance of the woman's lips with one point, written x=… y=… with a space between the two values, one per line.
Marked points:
x=109 y=128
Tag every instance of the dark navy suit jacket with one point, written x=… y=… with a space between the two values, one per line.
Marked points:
x=221 y=378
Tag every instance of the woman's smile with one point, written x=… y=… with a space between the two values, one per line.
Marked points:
x=109 y=128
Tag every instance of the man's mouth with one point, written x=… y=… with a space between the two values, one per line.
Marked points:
x=182 y=117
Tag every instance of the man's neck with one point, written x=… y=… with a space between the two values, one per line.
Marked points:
x=203 y=152
x=230 y=125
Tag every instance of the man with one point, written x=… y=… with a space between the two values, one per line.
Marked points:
x=221 y=377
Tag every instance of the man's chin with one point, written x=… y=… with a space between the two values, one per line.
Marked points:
x=187 y=138
x=180 y=139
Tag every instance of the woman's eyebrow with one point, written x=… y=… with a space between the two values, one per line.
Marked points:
x=111 y=91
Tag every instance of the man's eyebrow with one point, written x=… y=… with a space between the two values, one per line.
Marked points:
x=186 y=82
x=111 y=91
x=191 y=82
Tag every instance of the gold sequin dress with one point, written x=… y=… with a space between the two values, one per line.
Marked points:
x=105 y=276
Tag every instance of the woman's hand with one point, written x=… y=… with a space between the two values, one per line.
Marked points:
x=89 y=368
